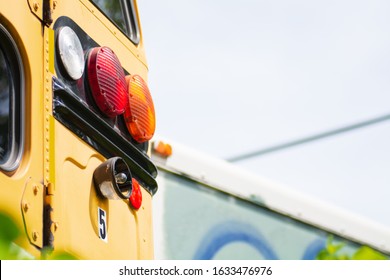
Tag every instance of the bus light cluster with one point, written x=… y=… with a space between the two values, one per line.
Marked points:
x=115 y=94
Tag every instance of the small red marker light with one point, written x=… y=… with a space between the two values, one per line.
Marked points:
x=136 y=195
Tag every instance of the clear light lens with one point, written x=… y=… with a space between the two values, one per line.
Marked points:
x=108 y=190
x=71 y=52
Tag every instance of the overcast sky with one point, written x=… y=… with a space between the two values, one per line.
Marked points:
x=230 y=77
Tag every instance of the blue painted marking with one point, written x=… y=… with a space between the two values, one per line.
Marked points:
x=229 y=232
x=313 y=249
x=233 y=231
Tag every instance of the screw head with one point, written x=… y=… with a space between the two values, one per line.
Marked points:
x=26 y=206
x=35 y=236
x=35 y=189
x=36 y=6
x=54 y=227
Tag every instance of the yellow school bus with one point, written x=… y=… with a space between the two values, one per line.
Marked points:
x=76 y=117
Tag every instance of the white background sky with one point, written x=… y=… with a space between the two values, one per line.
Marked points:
x=230 y=77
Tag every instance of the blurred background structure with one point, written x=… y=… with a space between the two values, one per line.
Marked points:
x=234 y=78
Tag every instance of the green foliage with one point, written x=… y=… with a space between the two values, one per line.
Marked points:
x=367 y=253
x=332 y=252
x=8 y=229
x=48 y=254
x=62 y=256
x=9 y=232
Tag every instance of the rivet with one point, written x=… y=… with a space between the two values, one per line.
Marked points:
x=35 y=235
x=35 y=189
x=54 y=227
x=26 y=206
x=36 y=6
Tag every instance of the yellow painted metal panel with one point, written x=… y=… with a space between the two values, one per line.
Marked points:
x=26 y=31
x=32 y=210
x=36 y=8
x=75 y=203
x=56 y=159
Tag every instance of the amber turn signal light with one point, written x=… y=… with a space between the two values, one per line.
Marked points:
x=139 y=115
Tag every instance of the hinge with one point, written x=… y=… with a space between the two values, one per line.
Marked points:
x=43 y=9
x=32 y=211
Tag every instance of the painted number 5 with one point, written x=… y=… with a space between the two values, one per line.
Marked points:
x=102 y=220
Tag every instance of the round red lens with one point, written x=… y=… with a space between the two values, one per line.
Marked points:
x=107 y=81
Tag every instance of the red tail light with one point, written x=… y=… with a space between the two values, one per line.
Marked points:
x=107 y=81
x=139 y=115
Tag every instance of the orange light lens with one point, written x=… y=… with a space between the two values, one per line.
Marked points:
x=139 y=115
x=163 y=149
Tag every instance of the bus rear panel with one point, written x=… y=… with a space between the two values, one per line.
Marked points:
x=75 y=172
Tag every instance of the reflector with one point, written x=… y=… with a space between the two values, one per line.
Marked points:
x=107 y=81
x=136 y=195
x=139 y=115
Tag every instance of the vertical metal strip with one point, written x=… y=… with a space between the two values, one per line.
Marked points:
x=48 y=111
x=48 y=133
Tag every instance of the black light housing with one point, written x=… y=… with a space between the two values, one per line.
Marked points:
x=113 y=179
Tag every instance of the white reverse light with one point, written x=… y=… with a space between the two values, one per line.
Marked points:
x=71 y=52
